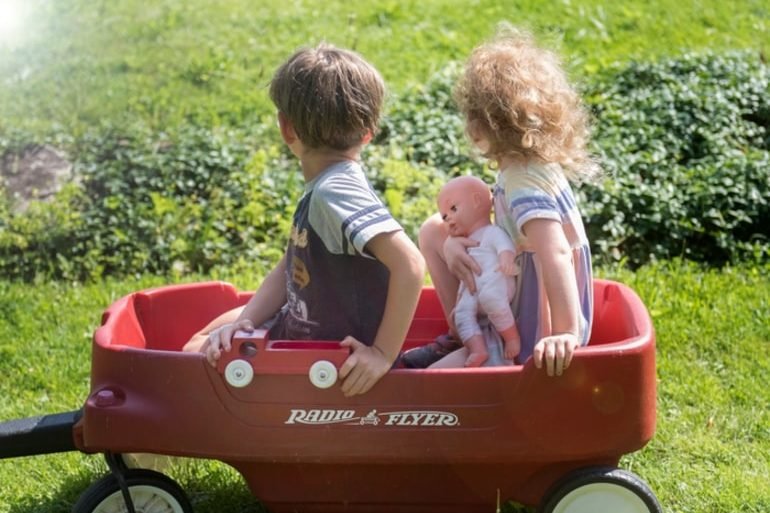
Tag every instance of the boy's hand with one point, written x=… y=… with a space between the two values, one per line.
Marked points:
x=459 y=262
x=363 y=368
x=220 y=339
x=556 y=351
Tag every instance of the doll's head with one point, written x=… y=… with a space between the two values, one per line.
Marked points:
x=464 y=203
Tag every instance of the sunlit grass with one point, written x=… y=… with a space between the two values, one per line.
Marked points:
x=169 y=61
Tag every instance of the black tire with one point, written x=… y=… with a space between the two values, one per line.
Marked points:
x=104 y=496
x=600 y=490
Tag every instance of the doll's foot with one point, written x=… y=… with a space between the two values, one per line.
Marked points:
x=477 y=351
x=476 y=359
x=512 y=348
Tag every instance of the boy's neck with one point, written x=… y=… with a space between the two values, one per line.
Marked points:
x=314 y=162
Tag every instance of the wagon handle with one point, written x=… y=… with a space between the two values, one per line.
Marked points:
x=44 y=434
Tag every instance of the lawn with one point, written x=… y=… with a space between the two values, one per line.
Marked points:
x=76 y=64
x=711 y=453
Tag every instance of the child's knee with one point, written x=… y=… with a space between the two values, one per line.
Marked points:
x=432 y=234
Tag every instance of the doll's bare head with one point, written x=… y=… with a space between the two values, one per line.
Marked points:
x=465 y=203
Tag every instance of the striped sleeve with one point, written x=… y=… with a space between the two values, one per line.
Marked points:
x=347 y=214
x=532 y=203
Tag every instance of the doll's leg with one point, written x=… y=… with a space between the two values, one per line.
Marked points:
x=494 y=300
x=466 y=321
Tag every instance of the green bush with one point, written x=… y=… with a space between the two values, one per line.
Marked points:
x=190 y=201
x=685 y=144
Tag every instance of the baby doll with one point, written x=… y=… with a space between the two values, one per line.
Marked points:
x=465 y=204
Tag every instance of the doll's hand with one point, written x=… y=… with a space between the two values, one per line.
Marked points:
x=363 y=368
x=557 y=351
x=220 y=339
x=507 y=263
x=460 y=263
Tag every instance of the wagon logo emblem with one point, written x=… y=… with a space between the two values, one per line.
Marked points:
x=420 y=418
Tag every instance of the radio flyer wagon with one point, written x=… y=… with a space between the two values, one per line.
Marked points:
x=421 y=441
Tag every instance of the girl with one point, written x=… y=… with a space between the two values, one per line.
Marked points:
x=523 y=115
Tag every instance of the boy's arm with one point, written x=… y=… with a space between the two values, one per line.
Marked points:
x=368 y=364
x=269 y=297
x=263 y=305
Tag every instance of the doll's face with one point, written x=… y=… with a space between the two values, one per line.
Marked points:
x=458 y=210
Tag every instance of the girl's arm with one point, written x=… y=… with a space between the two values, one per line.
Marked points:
x=367 y=364
x=547 y=239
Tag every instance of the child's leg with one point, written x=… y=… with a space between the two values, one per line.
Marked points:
x=431 y=239
x=453 y=360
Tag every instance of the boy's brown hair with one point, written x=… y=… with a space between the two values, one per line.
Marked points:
x=332 y=96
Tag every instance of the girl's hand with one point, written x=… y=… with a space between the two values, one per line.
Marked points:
x=363 y=368
x=220 y=339
x=459 y=262
x=556 y=351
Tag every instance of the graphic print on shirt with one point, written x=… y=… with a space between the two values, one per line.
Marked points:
x=334 y=287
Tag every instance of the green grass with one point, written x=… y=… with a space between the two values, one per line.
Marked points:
x=84 y=62
x=711 y=453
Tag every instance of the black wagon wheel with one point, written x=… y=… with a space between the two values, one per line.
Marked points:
x=600 y=490
x=151 y=492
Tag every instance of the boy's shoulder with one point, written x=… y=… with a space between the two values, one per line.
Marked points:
x=340 y=175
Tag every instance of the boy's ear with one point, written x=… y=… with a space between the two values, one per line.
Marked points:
x=367 y=138
x=287 y=128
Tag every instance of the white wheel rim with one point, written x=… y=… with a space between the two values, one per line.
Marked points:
x=147 y=499
x=323 y=374
x=599 y=497
x=239 y=373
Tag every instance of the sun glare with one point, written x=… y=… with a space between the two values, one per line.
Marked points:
x=11 y=19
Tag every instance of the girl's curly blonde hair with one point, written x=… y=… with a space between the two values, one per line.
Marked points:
x=516 y=95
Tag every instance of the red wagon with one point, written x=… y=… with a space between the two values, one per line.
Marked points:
x=422 y=440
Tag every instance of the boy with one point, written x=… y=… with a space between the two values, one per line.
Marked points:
x=349 y=271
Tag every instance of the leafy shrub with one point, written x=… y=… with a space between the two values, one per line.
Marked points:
x=685 y=146
x=423 y=126
x=684 y=143
x=157 y=203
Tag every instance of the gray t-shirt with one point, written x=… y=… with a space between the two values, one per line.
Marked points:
x=334 y=287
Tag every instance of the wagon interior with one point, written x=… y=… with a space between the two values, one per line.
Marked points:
x=165 y=318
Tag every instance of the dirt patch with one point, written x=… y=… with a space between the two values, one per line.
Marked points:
x=37 y=172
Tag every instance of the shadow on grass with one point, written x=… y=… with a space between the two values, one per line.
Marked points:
x=213 y=493
x=232 y=497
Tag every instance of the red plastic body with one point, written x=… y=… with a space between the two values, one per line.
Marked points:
x=420 y=441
